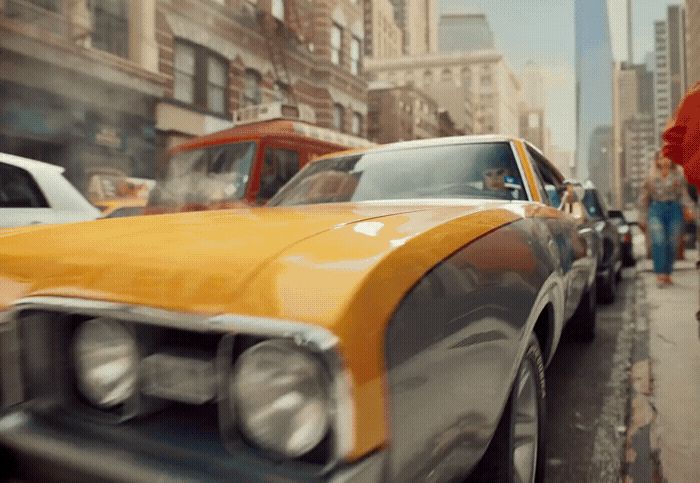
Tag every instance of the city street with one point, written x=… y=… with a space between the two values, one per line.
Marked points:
x=588 y=391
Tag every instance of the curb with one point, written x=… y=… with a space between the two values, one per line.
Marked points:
x=641 y=462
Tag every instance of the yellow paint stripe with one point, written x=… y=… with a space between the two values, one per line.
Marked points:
x=529 y=173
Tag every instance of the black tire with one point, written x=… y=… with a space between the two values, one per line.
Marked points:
x=607 y=292
x=497 y=463
x=583 y=322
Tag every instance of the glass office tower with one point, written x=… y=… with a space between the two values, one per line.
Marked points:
x=594 y=102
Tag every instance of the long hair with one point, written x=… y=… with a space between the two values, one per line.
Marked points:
x=654 y=170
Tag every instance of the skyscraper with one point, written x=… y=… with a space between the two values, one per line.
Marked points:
x=594 y=81
x=670 y=77
x=465 y=32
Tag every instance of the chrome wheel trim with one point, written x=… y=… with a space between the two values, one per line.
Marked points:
x=526 y=425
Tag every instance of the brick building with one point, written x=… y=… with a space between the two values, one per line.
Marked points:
x=401 y=113
x=79 y=82
x=93 y=83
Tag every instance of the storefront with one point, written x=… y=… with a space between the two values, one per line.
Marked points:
x=80 y=135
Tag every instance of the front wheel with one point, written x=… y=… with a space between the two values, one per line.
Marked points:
x=517 y=451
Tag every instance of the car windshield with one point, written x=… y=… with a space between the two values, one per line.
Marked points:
x=479 y=170
x=206 y=176
x=593 y=205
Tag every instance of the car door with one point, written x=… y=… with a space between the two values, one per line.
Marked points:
x=21 y=200
x=572 y=234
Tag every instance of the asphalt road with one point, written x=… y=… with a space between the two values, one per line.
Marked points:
x=588 y=390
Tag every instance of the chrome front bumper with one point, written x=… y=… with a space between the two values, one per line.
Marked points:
x=33 y=448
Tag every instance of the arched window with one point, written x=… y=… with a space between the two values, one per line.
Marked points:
x=251 y=89
x=338 y=117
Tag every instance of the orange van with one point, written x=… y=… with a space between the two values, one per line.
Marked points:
x=245 y=165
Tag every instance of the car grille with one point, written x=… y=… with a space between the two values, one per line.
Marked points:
x=49 y=387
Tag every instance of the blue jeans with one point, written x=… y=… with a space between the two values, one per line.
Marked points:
x=665 y=225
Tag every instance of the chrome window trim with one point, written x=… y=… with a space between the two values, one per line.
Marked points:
x=315 y=338
x=519 y=162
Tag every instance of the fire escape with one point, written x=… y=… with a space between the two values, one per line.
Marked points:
x=281 y=35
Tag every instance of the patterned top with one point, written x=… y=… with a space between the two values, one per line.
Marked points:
x=671 y=188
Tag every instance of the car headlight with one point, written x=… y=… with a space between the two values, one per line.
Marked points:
x=106 y=359
x=279 y=393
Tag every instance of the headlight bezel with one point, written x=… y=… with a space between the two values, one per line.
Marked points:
x=127 y=404
x=320 y=378
x=339 y=437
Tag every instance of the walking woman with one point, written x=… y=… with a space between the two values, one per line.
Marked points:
x=663 y=196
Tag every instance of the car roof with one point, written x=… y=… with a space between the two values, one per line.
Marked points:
x=423 y=143
x=29 y=164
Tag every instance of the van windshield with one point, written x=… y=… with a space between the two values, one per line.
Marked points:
x=206 y=176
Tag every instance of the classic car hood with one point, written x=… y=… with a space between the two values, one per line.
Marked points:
x=189 y=262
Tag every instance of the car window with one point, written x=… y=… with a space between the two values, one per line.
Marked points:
x=18 y=189
x=279 y=166
x=477 y=170
x=549 y=180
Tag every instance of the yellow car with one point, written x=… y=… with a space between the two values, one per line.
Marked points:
x=387 y=317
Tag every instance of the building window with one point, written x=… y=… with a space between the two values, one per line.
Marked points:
x=251 y=89
x=355 y=57
x=110 y=26
x=338 y=117
x=336 y=44
x=184 y=72
x=427 y=78
x=281 y=92
x=446 y=75
x=357 y=123
x=278 y=9
x=201 y=77
x=217 y=80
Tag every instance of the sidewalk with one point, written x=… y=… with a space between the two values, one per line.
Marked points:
x=674 y=345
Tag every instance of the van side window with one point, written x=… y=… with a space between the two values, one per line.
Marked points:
x=278 y=167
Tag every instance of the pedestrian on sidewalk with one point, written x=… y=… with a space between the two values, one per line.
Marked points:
x=663 y=196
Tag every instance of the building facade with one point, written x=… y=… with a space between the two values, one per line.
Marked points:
x=639 y=152
x=478 y=89
x=401 y=113
x=464 y=33
x=418 y=21
x=79 y=84
x=670 y=75
x=383 y=37
x=218 y=59
x=534 y=85
x=90 y=84
x=532 y=126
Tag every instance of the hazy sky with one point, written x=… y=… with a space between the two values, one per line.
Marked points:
x=543 y=31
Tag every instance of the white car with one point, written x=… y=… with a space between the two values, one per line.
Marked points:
x=32 y=192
